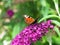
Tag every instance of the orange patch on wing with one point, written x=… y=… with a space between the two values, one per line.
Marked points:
x=29 y=20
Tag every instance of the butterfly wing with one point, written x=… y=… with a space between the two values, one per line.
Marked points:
x=29 y=20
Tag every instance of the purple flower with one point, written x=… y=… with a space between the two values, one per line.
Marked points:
x=32 y=33
x=10 y=13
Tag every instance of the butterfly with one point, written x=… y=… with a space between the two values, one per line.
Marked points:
x=29 y=20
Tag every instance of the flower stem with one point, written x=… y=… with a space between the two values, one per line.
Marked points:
x=50 y=43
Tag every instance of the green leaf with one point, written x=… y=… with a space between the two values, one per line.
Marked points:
x=38 y=42
x=48 y=17
x=56 y=22
x=56 y=6
x=56 y=40
x=1 y=43
x=16 y=30
x=57 y=30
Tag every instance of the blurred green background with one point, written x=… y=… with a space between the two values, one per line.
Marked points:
x=44 y=9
